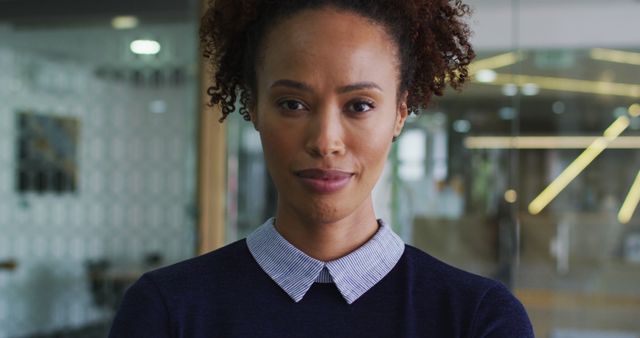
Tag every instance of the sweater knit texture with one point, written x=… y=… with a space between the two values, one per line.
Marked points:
x=225 y=293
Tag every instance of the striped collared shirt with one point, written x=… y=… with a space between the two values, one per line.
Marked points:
x=354 y=274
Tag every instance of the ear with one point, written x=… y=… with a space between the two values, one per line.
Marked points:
x=402 y=113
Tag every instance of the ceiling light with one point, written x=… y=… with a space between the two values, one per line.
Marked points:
x=530 y=89
x=486 y=75
x=617 y=56
x=558 y=107
x=634 y=110
x=494 y=62
x=507 y=113
x=546 y=142
x=569 y=85
x=578 y=165
x=462 y=126
x=124 y=22
x=510 y=89
x=511 y=196
x=145 y=47
x=631 y=202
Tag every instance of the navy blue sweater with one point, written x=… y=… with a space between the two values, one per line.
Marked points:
x=226 y=294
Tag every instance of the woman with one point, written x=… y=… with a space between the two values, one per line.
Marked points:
x=328 y=85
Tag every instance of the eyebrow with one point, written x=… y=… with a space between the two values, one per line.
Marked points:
x=344 y=89
x=359 y=86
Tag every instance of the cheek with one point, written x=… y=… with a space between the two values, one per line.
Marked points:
x=374 y=144
x=277 y=144
x=373 y=152
x=272 y=144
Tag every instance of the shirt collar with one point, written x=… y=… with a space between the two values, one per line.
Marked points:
x=354 y=274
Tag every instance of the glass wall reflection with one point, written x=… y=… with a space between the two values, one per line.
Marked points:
x=97 y=158
x=544 y=167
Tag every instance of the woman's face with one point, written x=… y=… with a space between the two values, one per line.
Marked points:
x=327 y=110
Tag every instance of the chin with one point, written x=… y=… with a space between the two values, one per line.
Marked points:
x=320 y=211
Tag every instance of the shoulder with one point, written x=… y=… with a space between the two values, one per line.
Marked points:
x=500 y=313
x=492 y=309
x=209 y=269
x=428 y=268
x=228 y=258
x=156 y=304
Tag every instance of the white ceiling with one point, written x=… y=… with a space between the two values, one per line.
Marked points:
x=104 y=46
x=555 y=24
x=541 y=24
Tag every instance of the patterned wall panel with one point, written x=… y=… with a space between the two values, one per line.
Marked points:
x=135 y=189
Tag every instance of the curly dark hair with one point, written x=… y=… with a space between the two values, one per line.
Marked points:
x=431 y=36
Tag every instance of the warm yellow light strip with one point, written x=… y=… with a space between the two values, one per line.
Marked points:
x=546 y=142
x=578 y=165
x=617 y=56
x=494 y=62
x=570 y=85
x=631 y=202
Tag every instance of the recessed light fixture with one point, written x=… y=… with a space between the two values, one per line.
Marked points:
x=510 y=89
x=634 y=110
x=462 y=126
x=145 y=47
x=486 y=75
x=558 y=107
x=511 y=196
x=507 y=113
x=530 y=89
x=124 y=22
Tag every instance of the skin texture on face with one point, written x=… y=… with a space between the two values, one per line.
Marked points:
x=327 y=99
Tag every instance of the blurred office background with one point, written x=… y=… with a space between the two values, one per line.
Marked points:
x=97 y=156
x=104 y=164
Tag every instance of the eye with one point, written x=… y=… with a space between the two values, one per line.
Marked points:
x=291 y=105
x=361 y=106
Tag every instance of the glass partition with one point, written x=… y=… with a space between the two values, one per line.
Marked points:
x=97 y=159
x=538 y=192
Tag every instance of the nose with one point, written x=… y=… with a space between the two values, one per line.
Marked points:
x=325 y=134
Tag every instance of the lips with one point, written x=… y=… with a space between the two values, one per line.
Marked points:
x=324 y=181
x=321 y=174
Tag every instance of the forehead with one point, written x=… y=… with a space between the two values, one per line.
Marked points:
x=328 y=42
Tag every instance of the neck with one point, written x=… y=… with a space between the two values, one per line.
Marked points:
x=326 y=240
